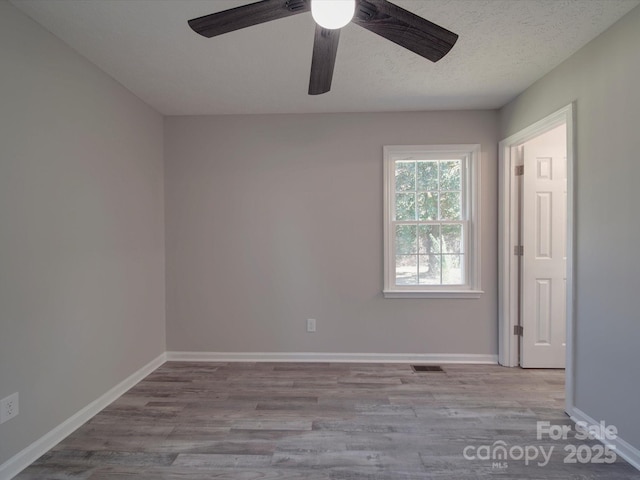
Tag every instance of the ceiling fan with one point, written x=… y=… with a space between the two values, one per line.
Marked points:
x=378 y=16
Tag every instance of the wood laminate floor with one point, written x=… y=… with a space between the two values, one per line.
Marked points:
x=324 y=421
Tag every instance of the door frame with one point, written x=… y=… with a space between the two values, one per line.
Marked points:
x=508 y=239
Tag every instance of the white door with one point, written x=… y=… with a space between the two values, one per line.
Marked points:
x=544 y=260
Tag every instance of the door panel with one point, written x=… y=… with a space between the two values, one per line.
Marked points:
x=543 y=313
x=544 y=206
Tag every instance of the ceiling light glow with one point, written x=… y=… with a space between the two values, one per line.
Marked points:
x=333 y=14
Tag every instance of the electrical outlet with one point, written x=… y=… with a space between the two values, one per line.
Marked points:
x=311 y=325
x=9 y=407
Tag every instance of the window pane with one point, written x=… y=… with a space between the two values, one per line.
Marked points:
x=427 y=176
x=429 y=239
x=405 y=206
x=452 y=269
x=406 y=269
x=450 y=206
x=405 y=176
x=450 y=175
x=431 y=236
x=429 y=270
x=452 y=239
x=406 y=239
x=428 y=206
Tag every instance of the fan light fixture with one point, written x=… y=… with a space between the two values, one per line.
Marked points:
x=333 y=14
x=381 y=17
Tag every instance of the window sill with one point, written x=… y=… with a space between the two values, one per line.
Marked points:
x=432 y=293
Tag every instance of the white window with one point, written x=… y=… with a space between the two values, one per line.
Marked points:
x=431 y=221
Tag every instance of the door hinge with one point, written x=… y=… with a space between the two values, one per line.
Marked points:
x=519 y=170
x=518 y=250
x=518 y=330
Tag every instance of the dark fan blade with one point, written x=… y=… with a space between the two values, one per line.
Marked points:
x=246 y=16
x=404 y=28
x=325 y=47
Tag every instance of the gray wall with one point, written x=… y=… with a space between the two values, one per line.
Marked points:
x=603 y=78
x=81 y=231
x=274 y=219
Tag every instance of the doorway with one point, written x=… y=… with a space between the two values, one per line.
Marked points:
x=538 y=287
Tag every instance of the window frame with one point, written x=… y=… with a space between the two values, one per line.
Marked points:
x=470 y=154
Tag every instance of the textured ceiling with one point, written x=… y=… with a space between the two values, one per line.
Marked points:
x=504 y=46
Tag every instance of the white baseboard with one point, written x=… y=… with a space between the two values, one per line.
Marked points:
x=331 y=357
x=622 y=448
x=26 y=457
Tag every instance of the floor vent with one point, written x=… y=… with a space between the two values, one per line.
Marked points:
x=427 y=368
